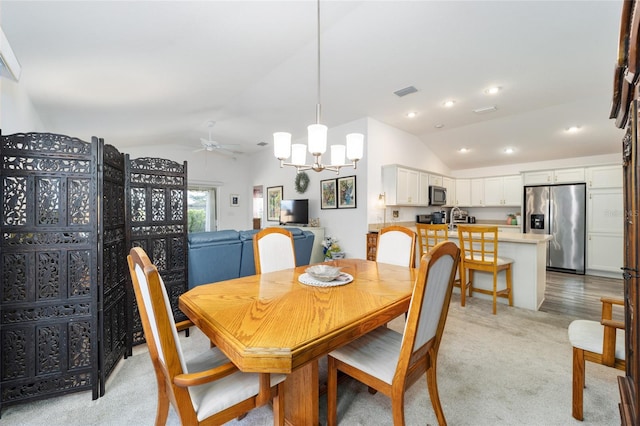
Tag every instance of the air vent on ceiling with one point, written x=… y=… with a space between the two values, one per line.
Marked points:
x=485 y=110
x=406 y=91
x=262 y=144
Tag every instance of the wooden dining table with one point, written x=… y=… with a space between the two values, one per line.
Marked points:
x=272 y=323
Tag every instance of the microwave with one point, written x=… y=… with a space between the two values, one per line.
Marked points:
x=437 y=195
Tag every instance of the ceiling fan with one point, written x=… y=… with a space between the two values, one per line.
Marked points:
x=212 y=146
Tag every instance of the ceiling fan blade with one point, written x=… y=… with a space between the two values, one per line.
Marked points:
x=198 y=150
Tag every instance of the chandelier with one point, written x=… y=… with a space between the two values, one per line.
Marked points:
x=317 y=141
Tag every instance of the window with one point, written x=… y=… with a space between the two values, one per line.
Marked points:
x=201 y=209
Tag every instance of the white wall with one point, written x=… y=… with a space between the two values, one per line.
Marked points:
x=17 y=113
x=388 y=145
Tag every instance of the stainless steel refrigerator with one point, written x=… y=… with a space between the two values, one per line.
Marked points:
x=560 y=211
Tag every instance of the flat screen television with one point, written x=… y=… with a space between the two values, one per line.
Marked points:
x=294 y=212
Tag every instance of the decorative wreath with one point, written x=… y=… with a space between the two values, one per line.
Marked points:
x=302 y=182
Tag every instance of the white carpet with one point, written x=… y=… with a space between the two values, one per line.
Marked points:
x=510 y=369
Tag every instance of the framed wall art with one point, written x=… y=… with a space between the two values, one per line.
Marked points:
x=346 y=187
x=235 y=200
x=328 y=194
x=274 y=196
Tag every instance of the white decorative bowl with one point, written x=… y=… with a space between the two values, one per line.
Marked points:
x=323 y=272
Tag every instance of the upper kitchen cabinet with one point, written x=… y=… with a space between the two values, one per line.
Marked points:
x=423 y=188
x=550 y=177
x=450 y=185
x=477 y=192
x=435 y=180
x=401 y=186
x=503 y=191
x=604 y=177
x=463 y=193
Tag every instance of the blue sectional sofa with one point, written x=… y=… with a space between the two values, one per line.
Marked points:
x=223 y=255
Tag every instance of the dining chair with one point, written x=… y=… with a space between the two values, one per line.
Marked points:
x=390 y=362
x=479 y=252
x=599 y=342
x=397 y=246
x=273 y=250
x=206 y=388
x=430 y=234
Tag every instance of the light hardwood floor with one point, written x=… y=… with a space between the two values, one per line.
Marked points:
x=578 y=296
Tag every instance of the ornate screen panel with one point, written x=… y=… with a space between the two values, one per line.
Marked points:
x=157 y=222
x=48 y=266
x=113 y=258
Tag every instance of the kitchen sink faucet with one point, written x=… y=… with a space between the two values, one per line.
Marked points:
x=451 y=216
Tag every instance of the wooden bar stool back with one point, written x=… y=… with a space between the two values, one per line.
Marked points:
x=479 y=252
x=431 y=234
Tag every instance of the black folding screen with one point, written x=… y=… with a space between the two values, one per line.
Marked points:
x=112 y=255
x=65 y=295
x=157 y=200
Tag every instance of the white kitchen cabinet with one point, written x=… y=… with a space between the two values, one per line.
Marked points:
x=493 y=191
x=542 y=177
x=450 y=186
x=512 y=190
x=477 y=192
x=435 y=180
x=604 y=177
x=400 y=186
x=605 y=211
x=423 y=189
x=538 y=177
x=503 y=191
x=605 y=229
x=605 y=252
x=568 y=175
x=463 y=193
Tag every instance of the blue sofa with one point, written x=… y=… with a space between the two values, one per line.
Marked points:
x=223 y=255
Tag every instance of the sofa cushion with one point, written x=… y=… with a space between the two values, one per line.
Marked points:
x=214 y=257
x=207 y=238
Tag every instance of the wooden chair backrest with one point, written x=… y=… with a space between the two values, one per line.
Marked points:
x=479 y=244
x=429 y=308
x=397 y=246
x=157 y=318
x=273 y=250
x=431 y=234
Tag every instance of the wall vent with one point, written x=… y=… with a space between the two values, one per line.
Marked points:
x=485 y=110
x=406 y=91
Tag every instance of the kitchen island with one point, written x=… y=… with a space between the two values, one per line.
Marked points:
x=529 y=254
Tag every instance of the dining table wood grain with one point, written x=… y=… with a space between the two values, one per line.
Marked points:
x=273 y=323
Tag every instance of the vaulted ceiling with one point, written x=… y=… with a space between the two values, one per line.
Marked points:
x=146 y=72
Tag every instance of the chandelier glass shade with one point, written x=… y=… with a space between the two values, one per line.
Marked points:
x=317 y=142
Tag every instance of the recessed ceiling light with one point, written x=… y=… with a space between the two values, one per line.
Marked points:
x=508 y=151
x=439 y=126
x=492 y=90
x=572 y=129
x=449 y=103
x=412 y=114
x=463 y=150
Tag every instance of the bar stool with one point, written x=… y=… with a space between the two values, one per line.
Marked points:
x=479 y=252
x=431 y=234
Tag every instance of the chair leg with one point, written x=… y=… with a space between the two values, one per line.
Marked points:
x=162 y=412
x=510 y=284
x=495 y=292
x=432 y=386
x=578 y=383
x=397 y=406
x=332 y=392
x=278 y=406
x=463 y=286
